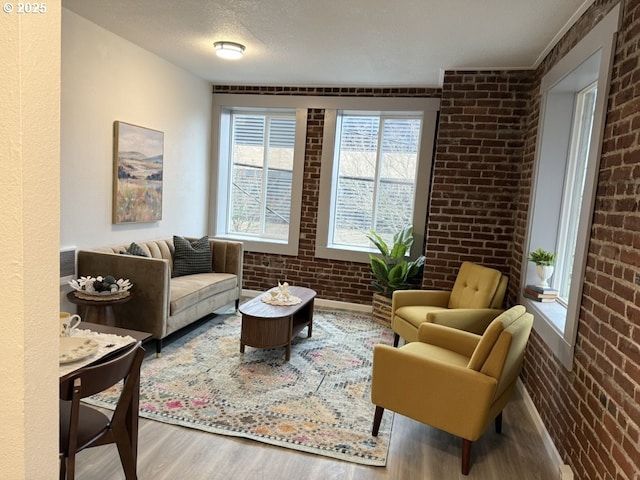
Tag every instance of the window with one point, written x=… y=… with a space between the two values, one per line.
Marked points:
x=573 y=102
x=257 y=182
x=258 y=145
x=376 y=163
x=572 y=198
x=261 y=174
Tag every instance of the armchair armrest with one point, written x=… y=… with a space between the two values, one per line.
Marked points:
x=474 y=320
x=449 y=397
x=435 y=298
x=452 y=339
x=149 y=304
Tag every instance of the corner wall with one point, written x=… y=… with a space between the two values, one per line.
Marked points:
x=476 y=171
x=593 y=412
x=106 y=78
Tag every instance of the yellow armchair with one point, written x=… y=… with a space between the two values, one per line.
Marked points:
x=475 y=300
x=451 y=379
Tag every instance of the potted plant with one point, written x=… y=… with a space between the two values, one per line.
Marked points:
x=392 y=270
x=545 y=262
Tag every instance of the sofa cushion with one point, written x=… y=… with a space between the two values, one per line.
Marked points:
x=191 y=257
x=416 y=315
x=134 y=249
x=186 y=291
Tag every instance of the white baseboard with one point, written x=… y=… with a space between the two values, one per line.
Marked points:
x=322 y=303
x=564 y=471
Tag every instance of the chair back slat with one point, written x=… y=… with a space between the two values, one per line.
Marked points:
x=97 y=378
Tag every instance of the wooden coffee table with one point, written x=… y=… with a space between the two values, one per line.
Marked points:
x=273 y=326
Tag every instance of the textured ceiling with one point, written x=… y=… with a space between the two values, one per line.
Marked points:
x=338 y=42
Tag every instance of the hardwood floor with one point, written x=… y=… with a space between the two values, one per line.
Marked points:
x=416 y=452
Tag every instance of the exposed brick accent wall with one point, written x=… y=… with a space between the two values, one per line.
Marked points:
x=476 y=171
x=331 y=279
x=593 y=412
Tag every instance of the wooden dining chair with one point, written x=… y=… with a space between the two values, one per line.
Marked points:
x=82 y=426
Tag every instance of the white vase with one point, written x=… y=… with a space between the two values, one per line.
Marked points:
x=544 y=273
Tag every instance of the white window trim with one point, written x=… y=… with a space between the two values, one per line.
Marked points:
x=548 y=319
x=428 y=108
x=221 y=172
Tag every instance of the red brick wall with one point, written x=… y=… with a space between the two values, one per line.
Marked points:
x=593 y=412
x=331 y=279
x=476 y=171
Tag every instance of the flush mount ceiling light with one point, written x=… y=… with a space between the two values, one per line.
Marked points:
x=229 y=50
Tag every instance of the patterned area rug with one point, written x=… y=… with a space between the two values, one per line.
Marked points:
x=318 y=402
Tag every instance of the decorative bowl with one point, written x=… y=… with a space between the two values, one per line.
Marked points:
x=101 y=286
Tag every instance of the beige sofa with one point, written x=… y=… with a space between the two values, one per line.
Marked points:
x=161 y=304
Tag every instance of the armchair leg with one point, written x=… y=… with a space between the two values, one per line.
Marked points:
x=396 y=339
x=377 y=418
x=158 y=348
x=466 y=456
x=498 y=423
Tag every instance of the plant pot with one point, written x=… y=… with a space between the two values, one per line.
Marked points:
x=544 y=273
x=381 y=309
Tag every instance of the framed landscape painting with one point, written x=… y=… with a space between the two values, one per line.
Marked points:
x=137 y=173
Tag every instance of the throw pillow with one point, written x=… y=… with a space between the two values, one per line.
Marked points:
x=190 y=258
x=134 y=249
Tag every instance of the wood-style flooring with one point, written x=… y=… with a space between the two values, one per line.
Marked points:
x=416 y=452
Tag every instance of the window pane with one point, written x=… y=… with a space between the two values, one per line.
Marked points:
x=572 y=196
x=356 y=166
x=398 y=164
x=377 y=164
x=262 y=166
x=279 y=177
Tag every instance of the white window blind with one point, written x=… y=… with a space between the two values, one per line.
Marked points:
x=377 y=157
x=262 y=169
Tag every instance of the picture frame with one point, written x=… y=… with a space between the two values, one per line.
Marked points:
x=138 y=154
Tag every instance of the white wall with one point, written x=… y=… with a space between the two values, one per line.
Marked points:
x=29 y=195
x=106 y=78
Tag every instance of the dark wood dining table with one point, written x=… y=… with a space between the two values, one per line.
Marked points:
x=132 y=413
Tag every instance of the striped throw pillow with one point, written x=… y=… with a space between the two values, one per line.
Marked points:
x=190 y=258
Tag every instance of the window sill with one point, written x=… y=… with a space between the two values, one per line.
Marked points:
x=263 y=245
x=553 y=312
x=549 y=322
x=355 y=254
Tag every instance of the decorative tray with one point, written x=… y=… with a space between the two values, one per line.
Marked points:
x=101 y=296
x=282 y=302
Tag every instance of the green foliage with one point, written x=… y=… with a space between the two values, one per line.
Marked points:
x=542 y=257
x=393 y=271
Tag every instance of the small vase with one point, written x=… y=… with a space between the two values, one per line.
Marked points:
x=544 y=273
